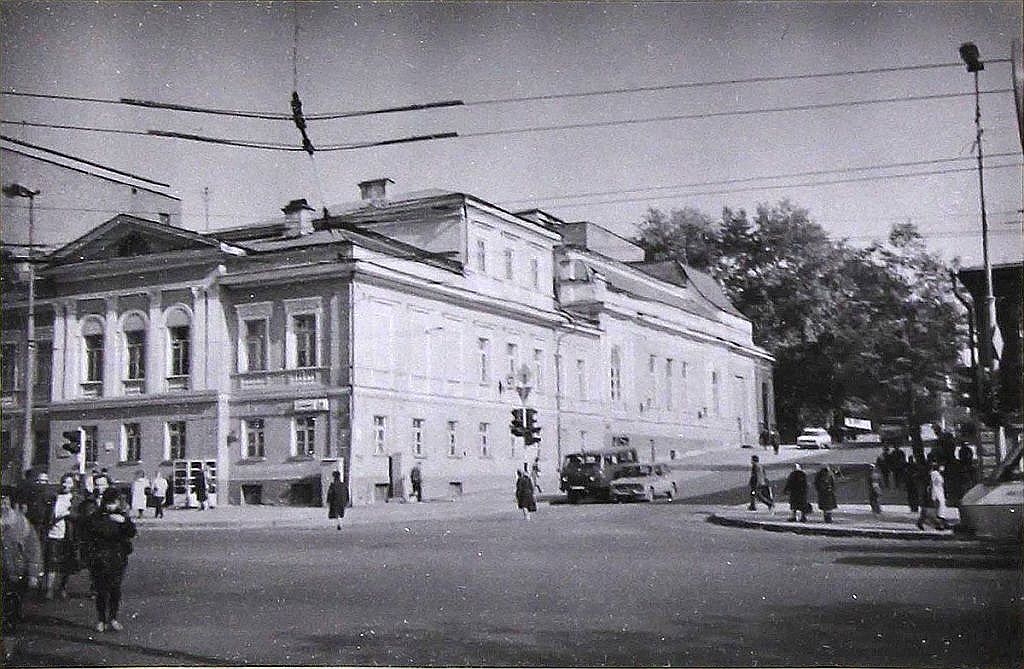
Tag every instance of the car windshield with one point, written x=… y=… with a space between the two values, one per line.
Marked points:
x=580 y=460
x=814 y=432
x=634 y=471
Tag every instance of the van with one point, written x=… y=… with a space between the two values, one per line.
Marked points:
x=590 y=473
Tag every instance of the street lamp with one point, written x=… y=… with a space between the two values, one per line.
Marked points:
x=972 y=59
x=28 y=441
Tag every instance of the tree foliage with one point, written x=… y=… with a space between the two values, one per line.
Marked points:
x=859 y=331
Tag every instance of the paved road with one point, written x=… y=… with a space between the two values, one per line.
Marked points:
x=638 y=584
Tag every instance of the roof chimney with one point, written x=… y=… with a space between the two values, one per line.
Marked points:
x=298 y=217
x=374 y=191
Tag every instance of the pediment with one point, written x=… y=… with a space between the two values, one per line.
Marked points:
x=125 y=236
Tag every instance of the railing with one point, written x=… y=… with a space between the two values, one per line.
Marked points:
x=304 y=376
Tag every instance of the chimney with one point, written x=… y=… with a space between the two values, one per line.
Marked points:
x=375 y=191
x=298 y=218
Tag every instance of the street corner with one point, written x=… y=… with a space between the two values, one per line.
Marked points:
x=887 y=525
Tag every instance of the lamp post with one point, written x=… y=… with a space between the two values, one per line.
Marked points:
x=28 y=440
x=972 y=59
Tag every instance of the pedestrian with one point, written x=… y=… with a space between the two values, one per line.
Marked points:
x=59 y=554
x=775 y=441
x=884 y=463
x=416 y=478
x=337 y=498
x=140 y=492
x=899 y=467
x=199 y=487
x=22 y=559
x=158 y=493
x=933 y=503
x=915 y=481
x=875 y=489
x=825 y=485
x=88 y=507
x=966 y=459
x=110 y=532
x=524 y=494
x=796 y=488
x=535 y=473
x=760 y=488
x=763 y=438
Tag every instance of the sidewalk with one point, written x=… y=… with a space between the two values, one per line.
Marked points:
x=849 y=520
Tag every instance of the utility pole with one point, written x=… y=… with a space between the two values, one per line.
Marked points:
x=972 y=59
x=28 y=435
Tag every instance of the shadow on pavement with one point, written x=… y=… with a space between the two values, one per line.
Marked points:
x=960 y=548
x=993 y=562
x=35 y=627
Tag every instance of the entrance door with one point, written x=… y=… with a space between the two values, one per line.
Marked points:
x=396 y=480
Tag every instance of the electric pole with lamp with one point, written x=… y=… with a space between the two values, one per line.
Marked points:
x=28 y=439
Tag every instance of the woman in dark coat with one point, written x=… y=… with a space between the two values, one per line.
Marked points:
x=796 y=488
x=524 y=494
x=825 y=484
x=110 y=532
x=202 y=494
x=337 y=498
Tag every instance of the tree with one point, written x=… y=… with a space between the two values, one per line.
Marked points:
x=852 y=330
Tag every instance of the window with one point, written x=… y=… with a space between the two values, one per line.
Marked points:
x=90 y=443
x=715 y=394
x=616 y=374
x=509 y=269
x=379 y=434
x=255 y=441
x=305 y=435
x=481 y=256
x=484 y=349
x=534 y=273
x=44 y=364
x=304 y=327
x=512 y=353
x=9 y=364
x=581 y=379
x=41 y=448
x=453 y=442
x=135 y=345
x=417 y=437
x=668 y=384
x=92 y=338
x=673 y=454
x=175 y=448
x=651 y=382
x=181 y=350
x=683 y=395
x=538 y=369
x=583 y=440
x=131 y=442
x=255 y=345
x=484 y=447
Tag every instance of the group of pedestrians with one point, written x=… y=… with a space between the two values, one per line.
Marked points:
x=49 y=536
x=796 y=488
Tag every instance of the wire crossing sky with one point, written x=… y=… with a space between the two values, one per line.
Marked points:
x=589 y=110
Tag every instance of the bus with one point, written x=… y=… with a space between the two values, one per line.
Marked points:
x=590 y=473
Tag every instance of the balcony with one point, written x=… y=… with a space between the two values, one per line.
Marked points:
x=305 y=376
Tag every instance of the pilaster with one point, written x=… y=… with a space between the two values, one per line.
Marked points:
x=155 y=345
x=59 y=361
x=199 y=343
x=111 y=358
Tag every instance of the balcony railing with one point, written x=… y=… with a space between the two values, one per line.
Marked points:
x=305 y=376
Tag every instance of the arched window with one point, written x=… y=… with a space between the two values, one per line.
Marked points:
x=135 y=346
x=179 y=332
x=92 y=341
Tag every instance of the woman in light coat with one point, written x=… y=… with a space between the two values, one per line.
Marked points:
x=140 y=492
x=938 y=491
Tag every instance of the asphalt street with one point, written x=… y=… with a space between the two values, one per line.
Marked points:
x=593 y=585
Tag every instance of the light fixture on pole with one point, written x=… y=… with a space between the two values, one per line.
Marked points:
x=972 y=59
x=28 y=438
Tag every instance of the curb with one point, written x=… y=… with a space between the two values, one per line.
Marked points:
x=825 y=530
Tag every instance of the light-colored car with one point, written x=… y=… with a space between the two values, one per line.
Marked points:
x=643 y=483
x=814 y=437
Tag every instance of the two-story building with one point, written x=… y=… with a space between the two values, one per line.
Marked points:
x=390 y=331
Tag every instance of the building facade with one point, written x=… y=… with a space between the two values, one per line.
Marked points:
x=390 y=331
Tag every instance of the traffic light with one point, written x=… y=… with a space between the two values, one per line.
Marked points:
x=72 y=441
x=517 y=427
x=531 y=433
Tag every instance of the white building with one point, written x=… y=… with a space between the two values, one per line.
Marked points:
x=394 y=330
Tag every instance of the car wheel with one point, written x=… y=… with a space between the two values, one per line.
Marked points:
x=574 y=497
x=669 y=495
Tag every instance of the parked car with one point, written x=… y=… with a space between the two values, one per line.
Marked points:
x=643 y=483
x=814 y=437
x=590 y=473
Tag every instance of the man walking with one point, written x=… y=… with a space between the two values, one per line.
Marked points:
x=416 y=478
x=796 y=488
x=760 y=489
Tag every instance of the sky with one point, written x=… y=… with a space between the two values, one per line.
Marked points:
x=365 y=55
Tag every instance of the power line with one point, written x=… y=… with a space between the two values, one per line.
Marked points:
x=698 y=184
x=284 y=116
x=779 y=186
x=737 y=112
x=33 y=124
